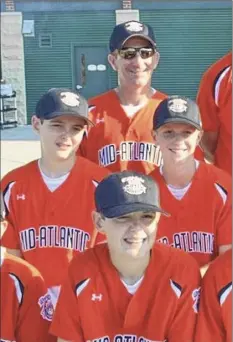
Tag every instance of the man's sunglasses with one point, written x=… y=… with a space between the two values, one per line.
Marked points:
x=131 y=52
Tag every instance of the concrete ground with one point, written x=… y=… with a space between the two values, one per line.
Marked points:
x=19 y=145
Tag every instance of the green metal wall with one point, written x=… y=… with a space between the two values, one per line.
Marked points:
x=189 y=41
x=51 y=67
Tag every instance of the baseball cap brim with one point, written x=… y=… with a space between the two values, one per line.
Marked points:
x=57 y=114
x=178 y=120
x=121 y=210
x=141 y=36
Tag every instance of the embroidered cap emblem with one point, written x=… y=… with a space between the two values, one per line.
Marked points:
x=134 y=185
x=134 y=26
x=70 y=99
x=178 y=105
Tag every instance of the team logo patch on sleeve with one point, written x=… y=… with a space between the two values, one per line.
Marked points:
x=134 y=185
x=45 y=303
x=196 y=299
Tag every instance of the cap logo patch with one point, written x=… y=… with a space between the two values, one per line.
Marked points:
x=134 y=27
x=178 y=105
x=134 y=185
x=70 y=99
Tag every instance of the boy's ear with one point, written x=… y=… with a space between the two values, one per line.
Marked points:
x=200 y=135
x=35 y=121
x=98 y=220
x=154 y=135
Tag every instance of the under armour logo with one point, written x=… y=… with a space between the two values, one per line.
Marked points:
x=21 y=197
x=99 y=120
x=70 y=99
x=94 y=297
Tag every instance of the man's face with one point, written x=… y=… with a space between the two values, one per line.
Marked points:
x=177 y=141
x=132 y=234
x=135 y=72
x=60 y=137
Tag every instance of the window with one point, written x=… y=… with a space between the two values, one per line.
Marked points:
x=28 y=28
x=45 y=40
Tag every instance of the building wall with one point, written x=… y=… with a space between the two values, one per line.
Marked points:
x=189 y=41
x=12 y=55
x=52 y=67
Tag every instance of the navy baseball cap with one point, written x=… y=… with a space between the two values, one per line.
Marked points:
x=177 y=109
x=126 y=192
x=122 y=32
x=62 y=101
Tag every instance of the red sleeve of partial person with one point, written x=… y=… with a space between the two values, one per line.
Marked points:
x=206 y=103
x=224 y=223
x=10 y=238
x=209 y=324
x=66 y=323
x=187 y=304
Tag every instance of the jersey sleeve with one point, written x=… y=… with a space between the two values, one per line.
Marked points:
x=206 y=103
x=10 y=238
x=224 y=223
x=209 y=324
x=184 y=321
x=36 y=312
x=66 y=323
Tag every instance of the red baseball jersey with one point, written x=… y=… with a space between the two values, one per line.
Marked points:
x=215 y=314
x=119 y=142
x=200 y=222
x=26 y=307
x=215 y=102
x=50 y=227
x=94 y=304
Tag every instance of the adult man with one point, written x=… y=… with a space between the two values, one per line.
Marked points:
x=26 y=307
x=50 y=200
x=123 y=116
x=215 y=101
x=196 y=194
x=128 y=289
x=215 y=316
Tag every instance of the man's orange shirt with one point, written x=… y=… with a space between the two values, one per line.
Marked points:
x=119 y=142
x=215 y=102
x=201 y=221
x=26 y=307
x=223 y=153
x=49 y=227
x=94 y=304
x=215 y=315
